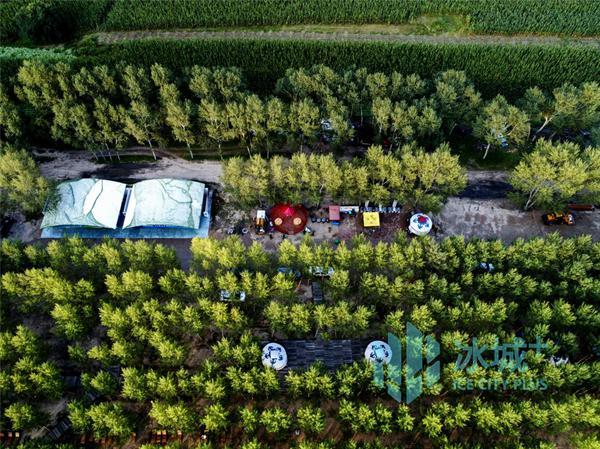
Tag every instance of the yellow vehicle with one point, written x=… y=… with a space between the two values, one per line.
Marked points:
x=558 y=218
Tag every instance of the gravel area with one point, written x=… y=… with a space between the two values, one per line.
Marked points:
x=499 y=218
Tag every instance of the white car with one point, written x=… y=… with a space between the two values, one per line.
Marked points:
x=226 y=295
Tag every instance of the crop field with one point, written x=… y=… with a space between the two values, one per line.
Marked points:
x=502 y=16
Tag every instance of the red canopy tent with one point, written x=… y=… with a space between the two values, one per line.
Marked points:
x=289 y=219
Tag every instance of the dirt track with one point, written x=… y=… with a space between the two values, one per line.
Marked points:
x=62 y=165
x=119 y=36
x=482 y=210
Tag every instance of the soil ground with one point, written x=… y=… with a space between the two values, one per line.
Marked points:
x=481 y=210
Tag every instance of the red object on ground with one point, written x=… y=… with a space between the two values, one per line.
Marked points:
x=289 y=219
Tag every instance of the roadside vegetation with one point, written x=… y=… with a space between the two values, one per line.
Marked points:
x=104 y=109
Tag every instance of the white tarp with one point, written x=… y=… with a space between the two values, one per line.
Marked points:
x=165 y=202
x=86 y=202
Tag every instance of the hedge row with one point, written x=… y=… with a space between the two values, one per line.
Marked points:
x=11 y=58
x=507 y=69
x=82 y=15
x=9 y=28
x=496 y=16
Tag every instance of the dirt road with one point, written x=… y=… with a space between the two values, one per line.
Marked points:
x=62 y=165
x=119 y=36
x=481 y=210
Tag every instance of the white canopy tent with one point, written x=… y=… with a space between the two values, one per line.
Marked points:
x=165 y=202
x=420 y=224
x=86 y=202
x=378 y=352
x=274 y=356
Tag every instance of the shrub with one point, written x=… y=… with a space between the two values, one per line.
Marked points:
x=44 y=22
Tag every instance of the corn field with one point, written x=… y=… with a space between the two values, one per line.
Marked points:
x=486 y=16
x=507 y=69
x=566 y=17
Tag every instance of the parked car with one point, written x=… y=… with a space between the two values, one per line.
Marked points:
x=319 y=271
x=290 y=271
x=317 y=292
x=227 y=296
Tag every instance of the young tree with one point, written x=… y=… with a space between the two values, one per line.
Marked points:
x=10 y=119
x=38 y=86
x=554 y=173
x=109 y=419
x=246 y=181
x=339 y=116
x=109 y=125
x=456 y=97
x=254 y=112
x=427 y=179
x=303 y=119
x=382 y=113
x=501 y=125
x=103 y=382
x=79 y=418
x=540 y=108
x=411 y=121
x=404 y=420
x=21 y=185
x=221 y=83
x=577 y=108
x=23 y=416
x=215 y=419
x=71 y=320
x=276 y=118
x=214 y=122
x=97 y=81
x=249 y=419
x=311 y=419
x=134 y=384
x=173 y=416
x=275 y=420
x=178 y=114
x=143 y=123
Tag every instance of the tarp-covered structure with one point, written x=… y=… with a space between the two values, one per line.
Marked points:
x=165 y=203
x=86 y=203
